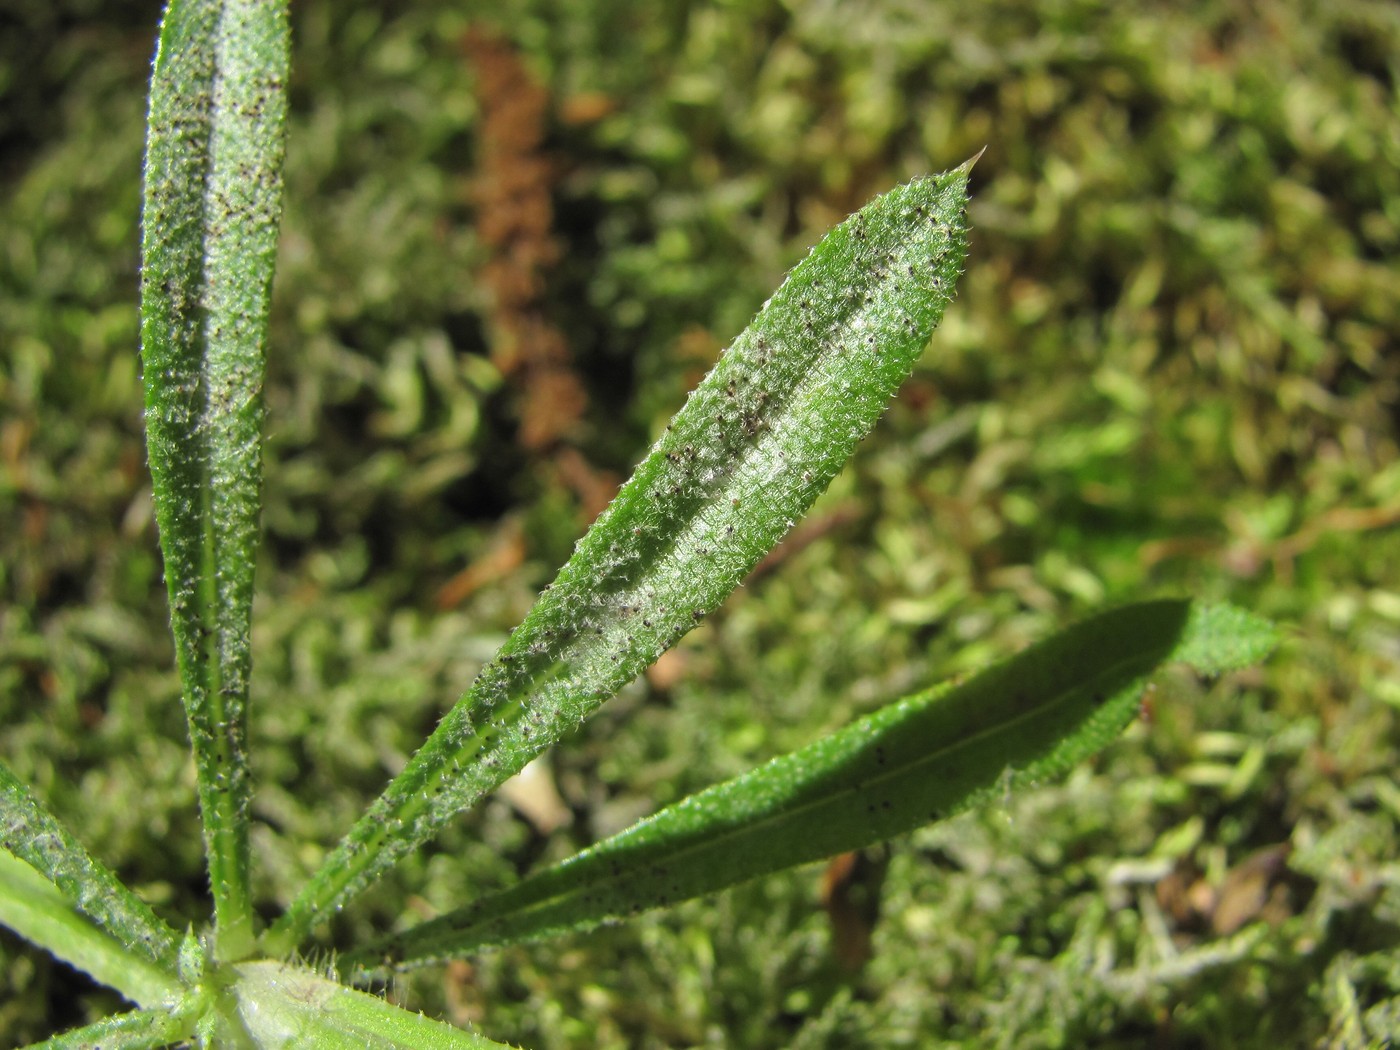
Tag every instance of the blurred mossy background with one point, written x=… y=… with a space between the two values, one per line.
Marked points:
x=515 y=234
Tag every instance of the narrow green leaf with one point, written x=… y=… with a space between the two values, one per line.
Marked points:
x=282 y=1005
x=40 y=912
x=916 y=761
x=212 y=202
x=34 y=835
x=758 y=440
x=137 y=1030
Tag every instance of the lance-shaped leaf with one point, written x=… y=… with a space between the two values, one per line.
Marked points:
x=280 y=1005
x=758 y=440
x=34 y=835
x=137 y=1030
x=918 y=760
x=37 y=910
x=212 y=203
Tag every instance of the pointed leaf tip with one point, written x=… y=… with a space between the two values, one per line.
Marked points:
x=966 y=166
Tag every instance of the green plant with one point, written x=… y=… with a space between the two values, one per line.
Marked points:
x=758 y=441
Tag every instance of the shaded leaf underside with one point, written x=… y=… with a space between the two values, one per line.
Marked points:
x=921 y=759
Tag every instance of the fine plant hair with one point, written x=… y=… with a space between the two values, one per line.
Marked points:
x=756 y=443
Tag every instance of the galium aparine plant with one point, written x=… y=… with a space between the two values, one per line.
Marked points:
x=759 y=439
